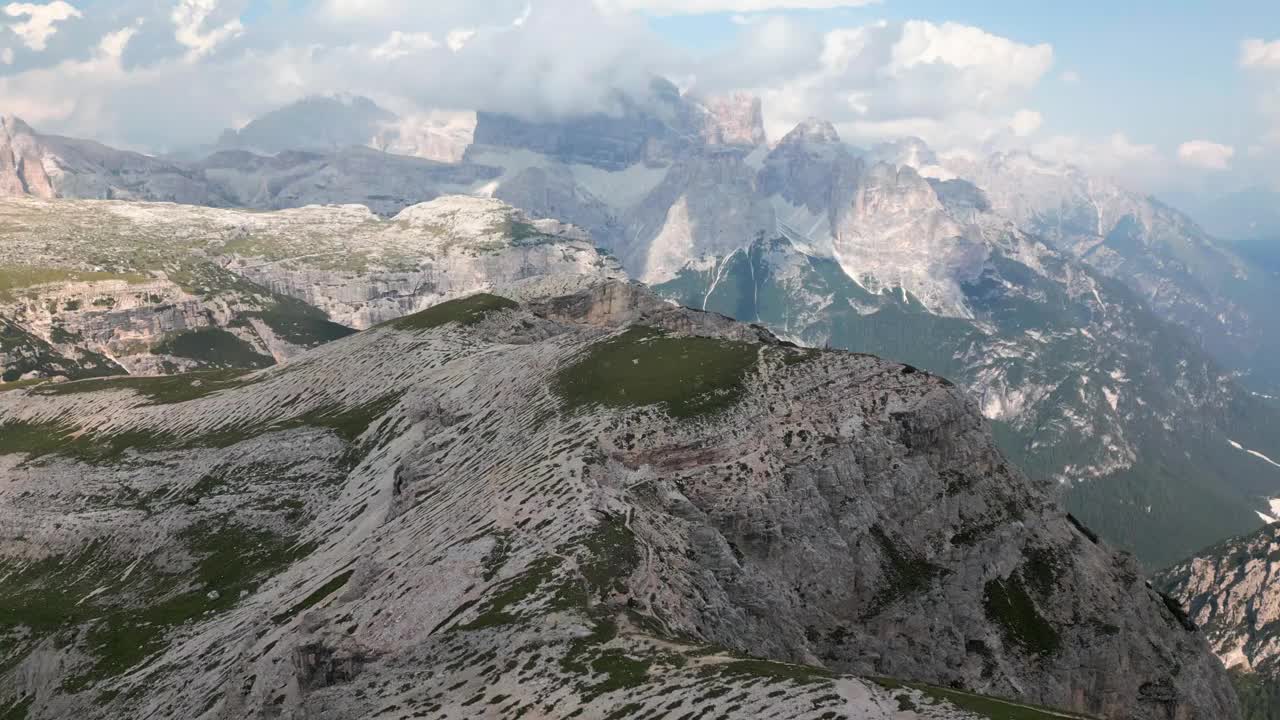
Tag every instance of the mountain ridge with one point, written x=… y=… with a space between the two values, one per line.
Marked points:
x=546 y=514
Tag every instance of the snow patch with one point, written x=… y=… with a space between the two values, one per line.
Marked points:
x=1254 y=453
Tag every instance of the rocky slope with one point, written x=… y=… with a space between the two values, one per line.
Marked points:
x=596 y=505
x=1230 y=591
x=1087 y=353
x=1086 y=384
x=33 y=164
x=91 y=288
x=1188 y=277
x=331 y=123
x=314 y=124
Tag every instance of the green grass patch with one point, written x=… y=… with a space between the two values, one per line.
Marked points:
x=213 y=347
x=41 y=439
x=231 y=558
x=300 y=324
x=18 y=277
x=500 y=608
x=611 y=556
x=321 y=593
x=905 y=574
x=464 y=311
x=127 y=620
x=159 y=390
x=52 y=438
x=18 y=709
x=1010 y=607
x=687 y=376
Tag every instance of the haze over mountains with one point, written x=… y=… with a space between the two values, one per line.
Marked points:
x=1064 y=303
x=1125 y=360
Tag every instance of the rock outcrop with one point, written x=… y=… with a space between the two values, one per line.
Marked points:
x=22 y=169
x=157 y=289
x=580 y=506
x=1230 y=591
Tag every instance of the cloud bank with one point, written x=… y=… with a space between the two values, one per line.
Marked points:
x=165 y=74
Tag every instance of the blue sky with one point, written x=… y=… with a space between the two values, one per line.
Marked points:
x=1152 y=91
x=1160 y=71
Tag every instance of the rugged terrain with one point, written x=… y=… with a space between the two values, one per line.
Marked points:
x=1230 y=591
x=90 y=288
x=1194 y=281
x=47 y=166
x=1119 y=350
x=595 y=505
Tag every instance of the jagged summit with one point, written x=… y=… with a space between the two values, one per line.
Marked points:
x=910 y=151
x=812 y=131
x=22 y=161
x=567 y=506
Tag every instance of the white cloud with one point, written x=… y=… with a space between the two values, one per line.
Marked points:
x=703 y=7
x=401 y=44
x=947 y=83
x=1256 y=53
x=189 y=20
x=1205 y=155
x=458 y=38
x=1025 y=122
x=1117 y=156
x=43 y=19
x=1071 y=77
x=951 y=84
x=6 y=56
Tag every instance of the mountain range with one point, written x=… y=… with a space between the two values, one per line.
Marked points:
x=527 y=504
x=1120 y=351
x=1124 y=359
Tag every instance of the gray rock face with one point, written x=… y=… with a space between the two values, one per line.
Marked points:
x=1230 y=591
x=21 y=161
x=537 y=509
x=1189 y=278
x=54 y=166
x=734 y=120
x=319 y=124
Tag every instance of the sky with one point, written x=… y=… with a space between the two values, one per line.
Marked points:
x=1166 y=96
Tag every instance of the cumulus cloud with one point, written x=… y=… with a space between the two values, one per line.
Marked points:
x=1256 y=53
x=1025 y=122
x=1205 y=155
x=943 y=82
x=703 y=7
x=192 y=69
x=1117 y=156
x=191 y=20
x=400 y=44
x=41 y=21
x=458 y=38
x=143 y=98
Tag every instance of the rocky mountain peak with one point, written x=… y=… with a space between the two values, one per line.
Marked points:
x=22 y=158
x=911 y=152
x=316 y=123
x=812 y=131
x=736 y=119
